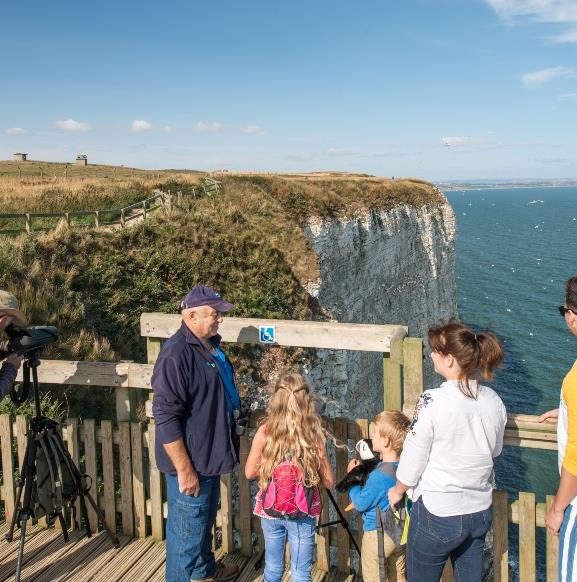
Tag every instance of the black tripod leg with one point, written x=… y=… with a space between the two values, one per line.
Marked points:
x=21 y=481
x=21 y=548
x=84 y=515
x=101 y=519
x=63 y=526
x=344 y=522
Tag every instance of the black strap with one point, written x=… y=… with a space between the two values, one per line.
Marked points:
x=381 y=543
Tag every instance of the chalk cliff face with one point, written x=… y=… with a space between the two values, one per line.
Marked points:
x=381 y=267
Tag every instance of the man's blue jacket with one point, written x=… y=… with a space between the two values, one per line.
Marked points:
x=190 y=403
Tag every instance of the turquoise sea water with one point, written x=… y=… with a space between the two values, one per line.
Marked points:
x=515 y=249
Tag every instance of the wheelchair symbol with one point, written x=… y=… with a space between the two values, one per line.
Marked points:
x=267 y=334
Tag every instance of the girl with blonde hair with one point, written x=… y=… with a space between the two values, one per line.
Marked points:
x=290 y=435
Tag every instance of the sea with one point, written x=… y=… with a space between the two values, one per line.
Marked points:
x=515 y=249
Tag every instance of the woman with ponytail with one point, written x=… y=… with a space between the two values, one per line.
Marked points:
x=291 y=437
x=447 y=458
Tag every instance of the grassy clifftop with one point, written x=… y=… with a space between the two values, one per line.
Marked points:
x=247 y=241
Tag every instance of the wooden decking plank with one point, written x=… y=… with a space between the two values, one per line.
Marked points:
x=86 y=572
x=34 y=550
x=73 y=558
x=336 y=576
x=6 y=547
x=124 y=560
x=147 y=565
x=249 y=572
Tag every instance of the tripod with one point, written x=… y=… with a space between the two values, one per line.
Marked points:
x=342 y=520
x=43 y=434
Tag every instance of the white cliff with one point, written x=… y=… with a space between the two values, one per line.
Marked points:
x=394 y=266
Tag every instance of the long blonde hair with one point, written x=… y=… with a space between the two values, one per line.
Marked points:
x=294 y=431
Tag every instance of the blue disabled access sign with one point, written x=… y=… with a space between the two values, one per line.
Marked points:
x=267 y=334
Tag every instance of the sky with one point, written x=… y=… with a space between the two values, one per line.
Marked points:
x=434 y=89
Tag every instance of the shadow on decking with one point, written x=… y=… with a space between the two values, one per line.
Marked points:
x=48 y=559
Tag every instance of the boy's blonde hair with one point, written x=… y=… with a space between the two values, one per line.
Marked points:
x=294 y=430
x=393 y=425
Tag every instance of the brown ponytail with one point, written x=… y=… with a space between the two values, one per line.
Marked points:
x=478 y=354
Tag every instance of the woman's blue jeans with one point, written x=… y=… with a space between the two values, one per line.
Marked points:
x=301 y=538
x=433 y=540
x=189 y=554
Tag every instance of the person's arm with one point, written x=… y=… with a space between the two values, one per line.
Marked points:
x=416 y=449
x=498 y=448
x=252 y=466
x=549 y=415
x=326 y=471
x=168 y=408
x=568 y=485
x=367 y=496
x=8 y=373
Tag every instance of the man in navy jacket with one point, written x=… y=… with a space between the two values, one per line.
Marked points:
x=195 y=403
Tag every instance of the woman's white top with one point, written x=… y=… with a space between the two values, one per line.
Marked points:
x=448 y=453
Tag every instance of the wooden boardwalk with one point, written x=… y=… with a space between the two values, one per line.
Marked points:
x=48 y=559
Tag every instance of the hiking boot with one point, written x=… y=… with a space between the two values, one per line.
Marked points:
x=223 y=573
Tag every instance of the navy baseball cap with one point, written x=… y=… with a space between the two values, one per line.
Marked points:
x=201 y=295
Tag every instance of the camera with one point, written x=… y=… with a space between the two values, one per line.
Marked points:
x=24 y=342
x=242 y=418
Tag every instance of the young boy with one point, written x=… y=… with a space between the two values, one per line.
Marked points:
x=391 y=427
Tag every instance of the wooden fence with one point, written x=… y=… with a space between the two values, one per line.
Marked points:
x=120 y=457
x=120 y=217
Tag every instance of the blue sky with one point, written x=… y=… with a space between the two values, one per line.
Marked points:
x=437 y=89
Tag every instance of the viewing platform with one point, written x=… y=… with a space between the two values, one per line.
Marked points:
x=119 y=456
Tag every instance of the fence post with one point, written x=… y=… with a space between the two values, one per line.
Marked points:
x=153 y=346
x=28 y=223
x=7 y=465
x=97 y=218
x=526 y=537
x=412 y=372
x=500 y=536
x=67 y=218
x=144 y=209
x=122 y=218
x=392 y=361
x=244 y=499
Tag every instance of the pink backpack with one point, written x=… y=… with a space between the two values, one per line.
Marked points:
x=286 y=496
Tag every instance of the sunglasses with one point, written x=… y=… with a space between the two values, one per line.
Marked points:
x=563 y=310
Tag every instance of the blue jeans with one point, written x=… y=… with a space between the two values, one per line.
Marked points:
x=433 y=540
x=189 y=530
x=301 y=537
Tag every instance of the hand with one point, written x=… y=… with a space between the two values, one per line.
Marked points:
x=15 y=360
x=394 y=496
x=553 y=520
x=352 y=464
x=188 y=483
x=550 y=414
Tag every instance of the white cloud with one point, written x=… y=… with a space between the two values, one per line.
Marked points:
x=568 y=97
x=551 y=11
x=139 y=125
x=255 y=130
x=167 y=129
x=201 y=126
x=16 y=131
x=460 y=141
x=71 y=125
x=539 y=78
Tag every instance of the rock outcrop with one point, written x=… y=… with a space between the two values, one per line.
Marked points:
x=380 y=267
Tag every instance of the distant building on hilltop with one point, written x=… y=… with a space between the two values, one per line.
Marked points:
x=18 y=157
x=81 y=160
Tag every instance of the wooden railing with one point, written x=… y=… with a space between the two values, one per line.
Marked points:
x=120 y=456
x=41 y=221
